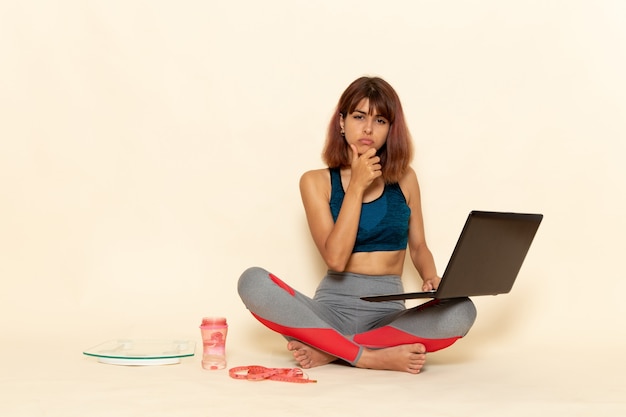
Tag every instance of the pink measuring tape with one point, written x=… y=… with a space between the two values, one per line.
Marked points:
x=260 y=373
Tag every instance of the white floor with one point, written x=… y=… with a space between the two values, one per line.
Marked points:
x=53 y=378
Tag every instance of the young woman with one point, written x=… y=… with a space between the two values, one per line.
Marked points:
x=363 y=211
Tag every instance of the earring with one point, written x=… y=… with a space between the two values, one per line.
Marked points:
x=343 y=132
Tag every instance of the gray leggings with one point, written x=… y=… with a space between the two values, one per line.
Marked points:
x=338 y=322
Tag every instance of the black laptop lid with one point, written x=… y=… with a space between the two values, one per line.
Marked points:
x=489 y=254
x=486 y=259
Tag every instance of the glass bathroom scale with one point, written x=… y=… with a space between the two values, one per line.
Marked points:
x=142 y=352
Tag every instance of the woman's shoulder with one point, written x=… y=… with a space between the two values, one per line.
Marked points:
x=409 y=177
x=409 y=185
x=315 y=184
x=316 y=175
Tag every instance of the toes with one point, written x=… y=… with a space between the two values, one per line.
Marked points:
x=419 y=348
x=293 y=346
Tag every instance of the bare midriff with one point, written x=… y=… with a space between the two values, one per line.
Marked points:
x=377 y=263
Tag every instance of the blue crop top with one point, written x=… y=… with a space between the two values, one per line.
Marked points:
x=384 y=222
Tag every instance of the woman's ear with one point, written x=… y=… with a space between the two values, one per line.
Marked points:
x=341 y=121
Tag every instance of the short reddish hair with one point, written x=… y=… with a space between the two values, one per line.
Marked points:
x=397 y=153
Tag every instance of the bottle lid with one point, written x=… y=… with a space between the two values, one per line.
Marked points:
x=213 y=321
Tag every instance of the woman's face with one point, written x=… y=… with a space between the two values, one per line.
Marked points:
x=365 y=130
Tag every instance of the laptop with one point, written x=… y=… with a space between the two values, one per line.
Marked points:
x=486 y=259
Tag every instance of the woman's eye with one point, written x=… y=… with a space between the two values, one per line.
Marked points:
x=382 y=121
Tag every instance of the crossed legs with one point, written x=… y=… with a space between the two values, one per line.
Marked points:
x=399 y=345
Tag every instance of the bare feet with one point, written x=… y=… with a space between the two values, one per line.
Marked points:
x=404 y=358
x=307 y=356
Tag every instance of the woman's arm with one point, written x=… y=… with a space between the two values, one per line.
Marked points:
x=420 y=254
x=335 y=240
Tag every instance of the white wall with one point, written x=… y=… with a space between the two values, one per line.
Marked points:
x=151 y=150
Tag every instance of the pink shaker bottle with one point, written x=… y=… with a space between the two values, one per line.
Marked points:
x=214 y=330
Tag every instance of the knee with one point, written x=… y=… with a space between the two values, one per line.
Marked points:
x=456 y=317
x=250 y=280
x=471 y=311
x=465 y=313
